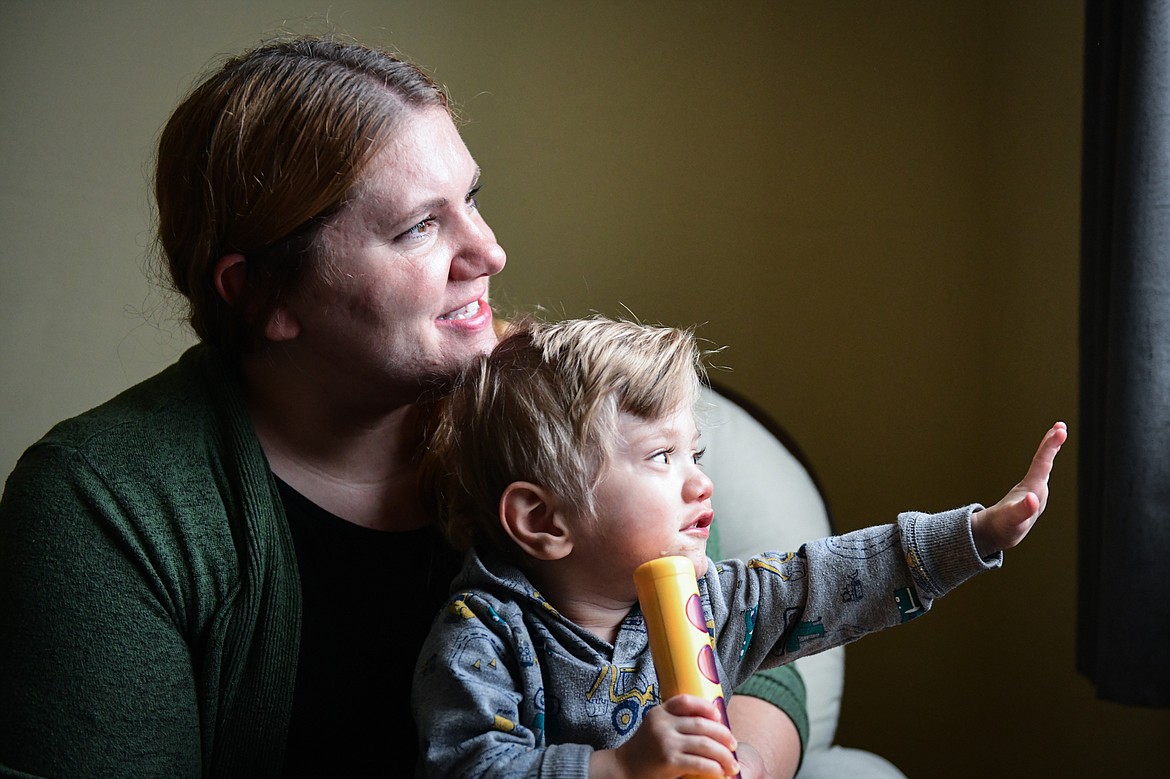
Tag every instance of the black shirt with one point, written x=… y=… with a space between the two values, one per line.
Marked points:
x=369 y=599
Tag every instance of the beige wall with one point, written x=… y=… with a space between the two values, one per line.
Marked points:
x=872 y=205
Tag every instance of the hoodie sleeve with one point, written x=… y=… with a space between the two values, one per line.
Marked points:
x=779 y=606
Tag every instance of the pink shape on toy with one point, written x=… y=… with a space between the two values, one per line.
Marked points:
x=695 y=613
x=707 y=664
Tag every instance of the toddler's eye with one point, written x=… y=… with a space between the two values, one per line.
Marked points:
x=697 y=456
x=662 y=456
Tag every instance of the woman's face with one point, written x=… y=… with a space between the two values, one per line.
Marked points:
x=403 y=296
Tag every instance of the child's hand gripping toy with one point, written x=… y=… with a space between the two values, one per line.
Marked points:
x=679 y=639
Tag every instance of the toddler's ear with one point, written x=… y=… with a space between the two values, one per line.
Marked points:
x=532 y=518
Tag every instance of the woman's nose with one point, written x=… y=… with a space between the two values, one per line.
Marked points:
x=478 y=253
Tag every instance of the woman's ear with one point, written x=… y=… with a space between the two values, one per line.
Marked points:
x=534 y=520
x=231 y=276
x=231 y=273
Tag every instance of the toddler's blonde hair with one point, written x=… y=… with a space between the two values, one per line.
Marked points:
x=542 y=407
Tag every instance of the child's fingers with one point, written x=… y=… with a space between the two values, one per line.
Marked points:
x=1054 y=439
x=699 y=716
x=1007 y=522
x=684 y=705
x=1026 y=508
x=1045 y=456
x=1051 y=443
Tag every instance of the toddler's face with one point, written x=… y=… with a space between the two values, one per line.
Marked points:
x=653 y=498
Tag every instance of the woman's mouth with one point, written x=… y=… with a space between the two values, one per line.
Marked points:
x=468 y=311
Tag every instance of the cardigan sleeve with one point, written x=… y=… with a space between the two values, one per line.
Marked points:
x=149 y=596
x=97 y=679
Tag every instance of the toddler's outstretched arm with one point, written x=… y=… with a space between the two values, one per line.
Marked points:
x=1005 y=524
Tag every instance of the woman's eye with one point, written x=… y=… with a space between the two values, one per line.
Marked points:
x=472 y=198
x=420 y=229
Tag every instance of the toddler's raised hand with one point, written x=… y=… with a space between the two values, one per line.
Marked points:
x=1005 y=524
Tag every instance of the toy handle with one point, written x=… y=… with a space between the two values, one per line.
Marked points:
x=682 y=646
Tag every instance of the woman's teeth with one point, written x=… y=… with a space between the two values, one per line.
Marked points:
x=471 y=309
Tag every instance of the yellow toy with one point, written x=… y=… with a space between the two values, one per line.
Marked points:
x=681 y=644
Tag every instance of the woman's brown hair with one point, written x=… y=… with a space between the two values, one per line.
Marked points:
x=257 y=159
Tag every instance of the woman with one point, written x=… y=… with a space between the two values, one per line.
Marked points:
x=226 y=569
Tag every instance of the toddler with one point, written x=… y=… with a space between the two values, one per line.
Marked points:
x=564 y=460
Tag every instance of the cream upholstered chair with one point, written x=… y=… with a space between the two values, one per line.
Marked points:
x=767 y=497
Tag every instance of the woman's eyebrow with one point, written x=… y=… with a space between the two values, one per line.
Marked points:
x=434 y=204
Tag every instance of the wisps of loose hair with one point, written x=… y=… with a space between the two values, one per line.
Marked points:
x=543 y=407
